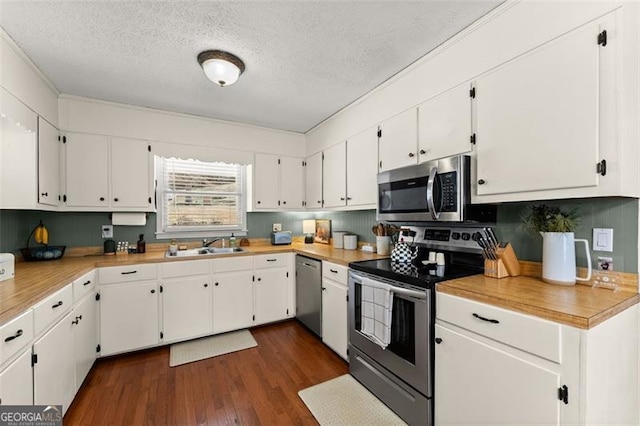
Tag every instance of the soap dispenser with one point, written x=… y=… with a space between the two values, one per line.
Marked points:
x=232 y=240
x=142 y=245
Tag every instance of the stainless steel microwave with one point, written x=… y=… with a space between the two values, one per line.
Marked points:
x=435 y=191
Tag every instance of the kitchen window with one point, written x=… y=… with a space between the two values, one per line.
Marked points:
x=200 y=199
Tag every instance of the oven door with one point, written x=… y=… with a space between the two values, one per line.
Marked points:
x=408 y=356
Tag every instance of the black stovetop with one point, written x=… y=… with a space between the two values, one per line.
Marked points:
x=417 y=274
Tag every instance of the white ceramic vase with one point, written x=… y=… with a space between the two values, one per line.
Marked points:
x=559 y=258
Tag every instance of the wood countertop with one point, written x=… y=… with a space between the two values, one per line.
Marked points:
x=580 y=306
x=35 y=281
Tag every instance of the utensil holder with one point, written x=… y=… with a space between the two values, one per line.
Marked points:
x=495 y=269
x=510 y=260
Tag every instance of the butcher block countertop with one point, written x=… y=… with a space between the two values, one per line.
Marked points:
x=36 y=280
x=580 y=306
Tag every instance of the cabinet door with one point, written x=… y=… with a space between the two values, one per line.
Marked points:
x=48 y=163
x=54 y=371
x=232 y=301
x=493 y=387
x=85 y=337
x=265 y=181
x=130 y=173
x=362 y=168
x=444 y=124
x=186 y=308
x=398 y=141
x=334 y=176
x=334 y=316
x=537 y=118
x=16 y=381
x=128 y=316
x=87 y=160
x=291 y=183
x=271 y=295
x=313 y=182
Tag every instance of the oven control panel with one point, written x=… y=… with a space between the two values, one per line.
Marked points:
x=449 y=238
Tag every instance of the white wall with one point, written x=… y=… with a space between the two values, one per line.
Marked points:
x=510 y=30
x=20 y=77
x=106 y=118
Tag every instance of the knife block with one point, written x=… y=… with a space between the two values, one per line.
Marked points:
x=507 y=264
x=495 y=269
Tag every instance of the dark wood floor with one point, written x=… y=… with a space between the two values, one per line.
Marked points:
x=257 y=386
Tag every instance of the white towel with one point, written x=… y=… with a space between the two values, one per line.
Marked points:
x=377 y=303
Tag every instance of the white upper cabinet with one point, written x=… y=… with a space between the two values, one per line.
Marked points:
x=538 y=117
x=105 y=173
x=334 y=176
x=362 y=168
x=313 y=181
x=444 y=124
x=87 y=170
x=48 y=164
x=278 y=182
x=130 y=176
x=398 y=142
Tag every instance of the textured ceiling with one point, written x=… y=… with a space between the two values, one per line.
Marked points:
x=305 y=60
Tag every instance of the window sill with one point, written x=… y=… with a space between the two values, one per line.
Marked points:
x=200 y=234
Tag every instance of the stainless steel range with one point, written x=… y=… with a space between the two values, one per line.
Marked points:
x=391 y=348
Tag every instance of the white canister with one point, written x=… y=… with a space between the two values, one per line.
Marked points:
x=559 y=258
x=383 y=245
x=350 y=242
x=338 y=238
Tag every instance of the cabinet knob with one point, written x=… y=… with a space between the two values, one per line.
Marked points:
x=341 y=198
x=411 y=155
x=324 y=288
x=284 y=202
x=45 y=194
x=75 y=322
x=348 y=198
x=153 y=291
x=319 y=202
x=216 y=284
x=115 y=199
x=206 y=285
x=422 y=151
x=481 y=182
x=258 y=202
x=438 y=340
x=101 y=198
x=259 y=279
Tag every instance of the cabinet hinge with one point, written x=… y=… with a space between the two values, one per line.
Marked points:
x=278 y=202
x=98 y=349
x=253 y=278
x=473 y=139
x=254 y=317
x=150 y=200
x=64 y=139
x=34 y=359
x=472 y=93
x=278 y=161
x=161 y=335
x=161 y=289
x=601 y=167
x=323 y=155
x=602 y=38
x=381 y=164
x=149 y=148
x=64 y=198
x=287 y=311
x=347 y=351
x=59 y=198
x=59 y=138
x=347 y=297
x=287 y=275
x=304 y=163
x=563 y=394
x=379 y=133
x=97 y=297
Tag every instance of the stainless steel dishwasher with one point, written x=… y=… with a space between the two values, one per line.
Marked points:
x=309 y=293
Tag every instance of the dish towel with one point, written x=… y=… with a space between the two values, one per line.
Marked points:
x=377 y=304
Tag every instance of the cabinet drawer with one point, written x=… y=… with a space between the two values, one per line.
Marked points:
x=84 y=285
x=53 y=307
x=15 y=335
x=121 y=274
x=240 y=263
x=271 y=260
x=185 y=268
x=335 y=272
x=534 y=335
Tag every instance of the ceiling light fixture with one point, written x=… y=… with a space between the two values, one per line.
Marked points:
x=222 y=68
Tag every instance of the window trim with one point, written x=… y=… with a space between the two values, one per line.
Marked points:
x=161 y=234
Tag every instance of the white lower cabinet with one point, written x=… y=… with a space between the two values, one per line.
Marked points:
x=232 y=301
x=186 y=307
x=54 y=367
x=334 y=307
x=270 y=295
x=85 y=336
x=16 y=381
x=128 y=316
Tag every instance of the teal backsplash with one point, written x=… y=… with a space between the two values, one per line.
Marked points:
x=83 y=229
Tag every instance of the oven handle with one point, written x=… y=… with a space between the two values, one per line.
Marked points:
x=411 y=293
x=432 y=208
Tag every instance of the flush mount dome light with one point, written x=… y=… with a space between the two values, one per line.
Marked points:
x=222 y=68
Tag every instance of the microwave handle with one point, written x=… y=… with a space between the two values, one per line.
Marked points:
x=432 y=208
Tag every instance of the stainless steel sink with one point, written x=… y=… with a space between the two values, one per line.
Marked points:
x=206 y=251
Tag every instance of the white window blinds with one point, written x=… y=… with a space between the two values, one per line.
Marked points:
x=201 y=196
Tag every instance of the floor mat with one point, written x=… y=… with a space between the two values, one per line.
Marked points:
x=344 y=401
x=207 y=347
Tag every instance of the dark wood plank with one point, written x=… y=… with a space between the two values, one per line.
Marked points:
x=257 y=386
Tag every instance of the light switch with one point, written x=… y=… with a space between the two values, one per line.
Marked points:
x=602 y=239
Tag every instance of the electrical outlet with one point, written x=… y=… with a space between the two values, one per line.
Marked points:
x=605 y=263
x=277 y=227
x=107 y=231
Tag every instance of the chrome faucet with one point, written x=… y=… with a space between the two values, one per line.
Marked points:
x=206 y=243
